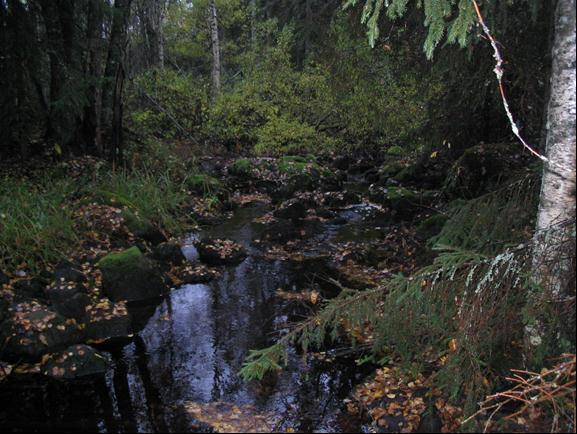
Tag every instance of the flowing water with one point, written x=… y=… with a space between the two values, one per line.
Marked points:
x=184 y=361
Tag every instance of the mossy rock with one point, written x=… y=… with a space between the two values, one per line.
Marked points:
x=431 y=226
x=142 y=228
x=242 y=167
x=203 y=184
x=391 y=169
x=298 y=165
x=407 y=174
x=395 y=151
x=404 y=202
x=130 y=276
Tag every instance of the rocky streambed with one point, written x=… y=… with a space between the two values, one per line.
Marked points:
x=149 y=353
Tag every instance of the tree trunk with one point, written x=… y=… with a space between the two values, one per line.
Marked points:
x=151 y=14
x=557 y=203
x=113 y=73
x=92 y=73
x=215 y=42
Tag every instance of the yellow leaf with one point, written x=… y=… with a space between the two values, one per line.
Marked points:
x=314 y=297
x=453 y=345
x=434 y=154
x=57 y=149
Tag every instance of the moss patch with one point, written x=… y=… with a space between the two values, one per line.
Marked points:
x=398 y=193
x=395 y=151
x=120 y=260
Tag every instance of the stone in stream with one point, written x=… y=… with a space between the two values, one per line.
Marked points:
x=293 y=209
x=340 y=199
x=143 y=228
x=33 y=330
x=130 y=276
x=107 y=320
x=281 y=232
x=169 y=252
x=216 y=252
x=75 y=362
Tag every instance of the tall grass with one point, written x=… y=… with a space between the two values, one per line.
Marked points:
x=36 y=216
x=36 y=225
x=158 y=197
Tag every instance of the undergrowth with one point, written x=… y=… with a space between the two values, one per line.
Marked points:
x=464 y=313
x=37 y=225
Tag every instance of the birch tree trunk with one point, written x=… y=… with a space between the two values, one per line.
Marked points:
x=215 y=42
x=557 y=201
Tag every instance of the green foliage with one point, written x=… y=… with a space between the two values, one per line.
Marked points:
x=464 y=308
x=36 y=224
x=500 y=218
x=282 y=135
x=440 y=19
x=203 y=184
x=168 y=104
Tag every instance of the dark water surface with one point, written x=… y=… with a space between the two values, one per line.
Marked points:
x=191 y=347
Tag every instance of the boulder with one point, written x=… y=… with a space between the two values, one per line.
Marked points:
x=130 y=276
x=341 y=199
x=196 y=274
x=28 y=289
x=74 y=362
x=216 y=252
x=342 y=162
x=203 y=184
x=143 y=228
x=108 y=320
x=242 y=168
x=293 y=209
x=33 y=330
x=169 y=252
x=281 y=232
x=69 y=272
x=404 y=202
x=69 y=299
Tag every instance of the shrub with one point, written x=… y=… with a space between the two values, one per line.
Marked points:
x=282 y=135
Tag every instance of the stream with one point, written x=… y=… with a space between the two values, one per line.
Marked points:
x=185 y=359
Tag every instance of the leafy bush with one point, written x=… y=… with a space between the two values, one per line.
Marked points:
x=282 y=135
x=167 y=104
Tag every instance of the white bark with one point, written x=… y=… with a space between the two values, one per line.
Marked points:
x=215 y=42
x=557 y=201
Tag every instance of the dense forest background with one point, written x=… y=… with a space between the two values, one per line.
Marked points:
x=375 y=141
x=297 y=76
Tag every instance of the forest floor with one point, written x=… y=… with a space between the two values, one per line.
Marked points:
x=53 y=303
